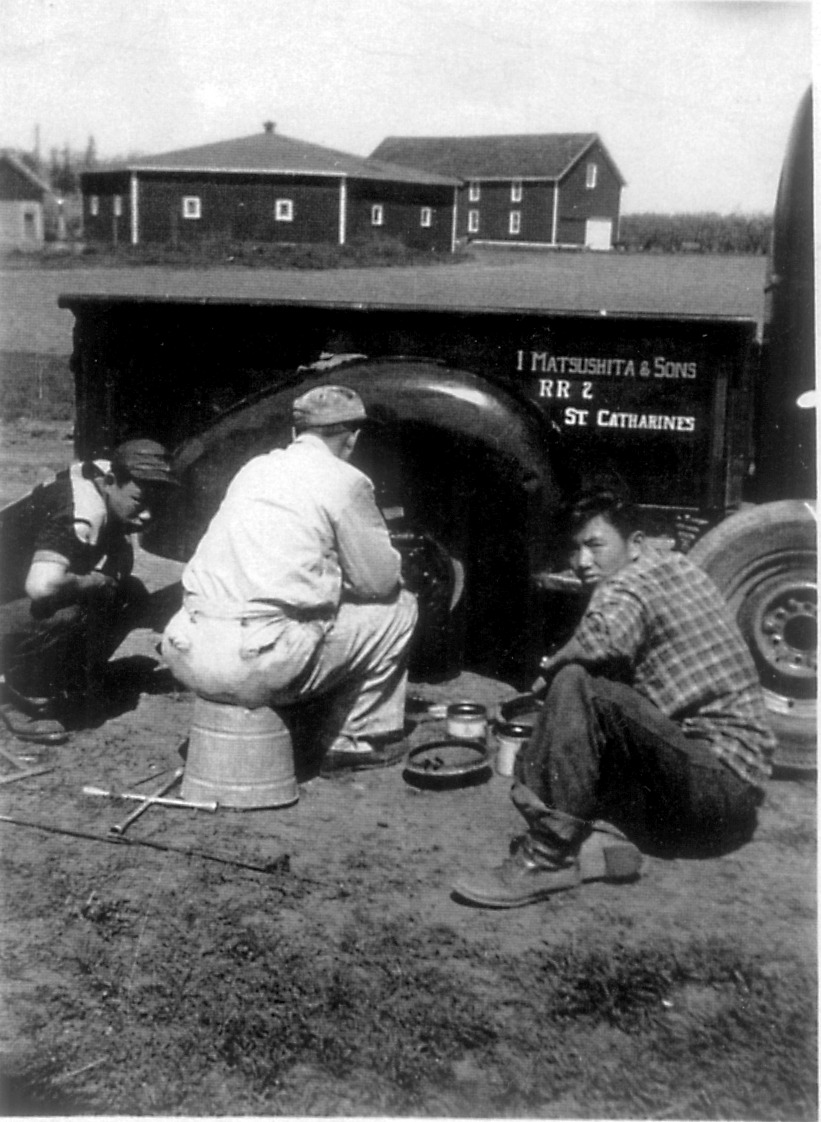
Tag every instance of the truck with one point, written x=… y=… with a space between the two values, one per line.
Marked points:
x=485 y=419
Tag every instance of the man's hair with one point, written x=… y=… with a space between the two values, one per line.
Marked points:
x=327 y=430
x=613 y=506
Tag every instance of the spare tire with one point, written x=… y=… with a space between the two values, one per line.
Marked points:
x=764 y=561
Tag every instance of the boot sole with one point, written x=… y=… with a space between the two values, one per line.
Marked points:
x=615 y=864
x=26 y=729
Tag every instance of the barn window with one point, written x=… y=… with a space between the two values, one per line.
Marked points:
x=473 y=221
x=516 y=191
x=377 y=214
x=592 y=175
x=191 y=206
x=426 y=216
x=118 y=205
x=474 y=191
x=515 y=224
x=94 y=205
x=284 y=210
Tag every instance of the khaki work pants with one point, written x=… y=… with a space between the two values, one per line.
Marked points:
x=357 y=659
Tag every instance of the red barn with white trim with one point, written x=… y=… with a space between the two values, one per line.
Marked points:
x=559 y=189
x=267 y=188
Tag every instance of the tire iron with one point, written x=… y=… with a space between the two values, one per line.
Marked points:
x=121 y=827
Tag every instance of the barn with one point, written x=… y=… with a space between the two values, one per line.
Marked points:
x=267 y=188
x=22 y=200
x=560 y=189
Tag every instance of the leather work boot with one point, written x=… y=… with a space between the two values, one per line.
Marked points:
x=348 y=753
x=34 y=719
x=525 y=879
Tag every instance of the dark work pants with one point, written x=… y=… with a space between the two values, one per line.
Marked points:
x=600 y=750
x=45 y=655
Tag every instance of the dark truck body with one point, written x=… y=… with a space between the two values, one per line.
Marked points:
x=488 y=418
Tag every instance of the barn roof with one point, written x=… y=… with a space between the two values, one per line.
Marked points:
x=527 y=156
x=271 y=152
x=22 y=168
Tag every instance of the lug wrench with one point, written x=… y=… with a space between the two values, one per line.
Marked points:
x=121 y=827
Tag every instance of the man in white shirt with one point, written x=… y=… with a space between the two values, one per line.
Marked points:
x=295 y=591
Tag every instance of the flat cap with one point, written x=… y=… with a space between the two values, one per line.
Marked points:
x=328 y=405
x=144 y=460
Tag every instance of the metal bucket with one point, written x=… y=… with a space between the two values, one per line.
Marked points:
x=241 y=758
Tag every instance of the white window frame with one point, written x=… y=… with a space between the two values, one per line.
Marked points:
x=426 y=217
x=118 y=206
x=94 y=205
x=474 y=191
x=377 y=215
x=191 y=206
x=514 y=225
x=591 y=176
x=473 y=221
x=516 y=191
x=284 y=210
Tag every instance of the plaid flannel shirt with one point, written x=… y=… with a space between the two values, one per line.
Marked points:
x=661 y=626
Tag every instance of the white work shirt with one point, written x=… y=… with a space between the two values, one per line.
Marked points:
x=298 y=528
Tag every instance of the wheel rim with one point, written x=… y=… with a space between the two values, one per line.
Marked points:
x=780 y=622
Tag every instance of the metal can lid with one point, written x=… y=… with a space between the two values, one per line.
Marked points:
x=467 y=709
x=514 y=731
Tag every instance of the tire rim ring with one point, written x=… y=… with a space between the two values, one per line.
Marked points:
x=784 y=629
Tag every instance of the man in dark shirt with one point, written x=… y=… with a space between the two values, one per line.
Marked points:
x=78 y=600
x=653 y=723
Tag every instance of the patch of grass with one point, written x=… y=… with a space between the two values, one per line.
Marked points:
x=403 y=1018
x=36 y=386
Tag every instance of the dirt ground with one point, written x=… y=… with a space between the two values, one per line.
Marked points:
x=93 y=926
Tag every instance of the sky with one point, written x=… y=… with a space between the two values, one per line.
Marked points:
x=693 y=100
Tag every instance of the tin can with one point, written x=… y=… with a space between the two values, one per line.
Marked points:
x=509 y=739
x=467 y=720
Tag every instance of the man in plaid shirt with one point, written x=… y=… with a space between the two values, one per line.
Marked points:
x=653 y=722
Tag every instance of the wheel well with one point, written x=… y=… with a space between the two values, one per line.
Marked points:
x=450 y=455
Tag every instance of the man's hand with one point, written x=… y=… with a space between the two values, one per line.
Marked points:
x=96 y=580
x=539 y=686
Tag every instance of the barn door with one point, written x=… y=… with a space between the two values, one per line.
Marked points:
x=598 y=233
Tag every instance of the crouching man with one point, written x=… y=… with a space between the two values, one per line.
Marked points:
x=295 y=592
x=653 y=722
x=80 y=597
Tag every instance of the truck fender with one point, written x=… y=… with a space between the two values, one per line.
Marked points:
x=396 y=392
x=473 y=493
x=764 y=561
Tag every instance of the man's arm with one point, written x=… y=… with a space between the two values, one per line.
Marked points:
x=572 y=651
x=607 y=638
x=371 y=567
x=50 y=580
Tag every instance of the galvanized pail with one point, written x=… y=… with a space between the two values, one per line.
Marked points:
x=241 y=758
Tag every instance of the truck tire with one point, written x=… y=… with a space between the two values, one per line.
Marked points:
x=764 y=562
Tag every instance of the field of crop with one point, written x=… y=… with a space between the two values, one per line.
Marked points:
x=682 y=284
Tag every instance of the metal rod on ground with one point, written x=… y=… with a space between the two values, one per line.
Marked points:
x=25 y=774
x=121 y=827
x=275 y=866
x=21 y=771
x=147 y=778
x=158 y=800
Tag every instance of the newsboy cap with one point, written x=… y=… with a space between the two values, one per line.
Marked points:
x=144 y=460
x=328 y=405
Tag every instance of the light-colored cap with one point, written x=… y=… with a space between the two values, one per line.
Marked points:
x=328 y=405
